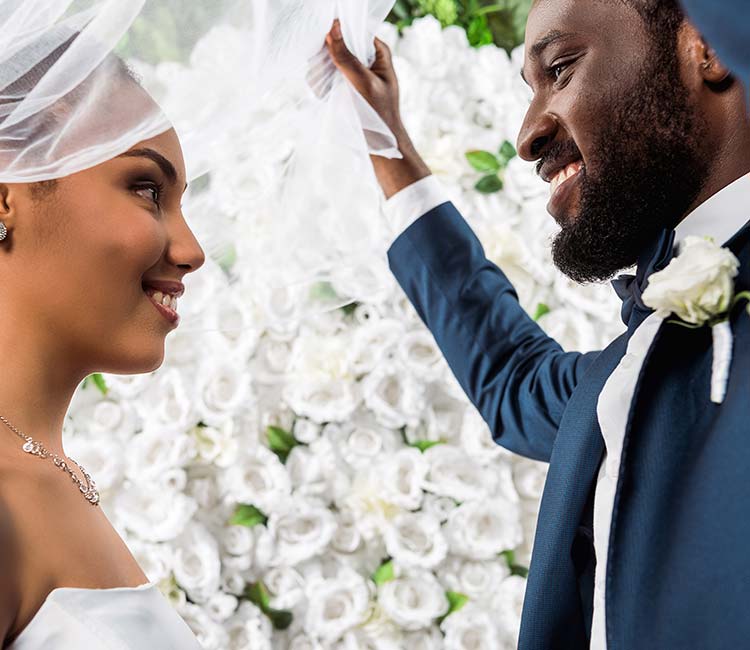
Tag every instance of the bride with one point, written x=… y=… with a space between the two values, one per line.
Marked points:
x=91 y=266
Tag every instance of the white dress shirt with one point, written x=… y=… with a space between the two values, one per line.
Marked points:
x=720 y=217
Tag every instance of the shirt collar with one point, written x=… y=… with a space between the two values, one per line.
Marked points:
x=721 y=216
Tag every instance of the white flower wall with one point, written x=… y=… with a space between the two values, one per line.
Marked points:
x=386 y=517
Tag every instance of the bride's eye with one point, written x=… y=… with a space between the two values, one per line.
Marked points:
x=150 y=191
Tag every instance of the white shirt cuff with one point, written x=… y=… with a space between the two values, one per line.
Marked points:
x=414 y=201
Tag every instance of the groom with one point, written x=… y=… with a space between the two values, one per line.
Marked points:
x=644 y=137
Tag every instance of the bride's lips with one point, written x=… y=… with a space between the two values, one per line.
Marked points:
x=562 y=187
x=163 y=295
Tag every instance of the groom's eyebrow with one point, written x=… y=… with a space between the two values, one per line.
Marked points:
x=543 y=43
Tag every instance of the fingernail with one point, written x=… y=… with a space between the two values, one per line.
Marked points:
x=336 y=29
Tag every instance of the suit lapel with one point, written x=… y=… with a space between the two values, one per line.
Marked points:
x=553 y=614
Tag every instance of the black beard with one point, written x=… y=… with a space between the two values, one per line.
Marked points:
x=649 y=170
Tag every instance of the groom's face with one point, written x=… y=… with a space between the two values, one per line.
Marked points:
x=613 y=129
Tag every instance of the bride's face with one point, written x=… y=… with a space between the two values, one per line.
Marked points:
x=86 y=254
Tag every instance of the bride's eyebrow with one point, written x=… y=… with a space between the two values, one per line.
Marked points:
x=166 y=167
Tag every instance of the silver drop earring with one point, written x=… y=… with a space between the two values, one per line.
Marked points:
x=3 y=231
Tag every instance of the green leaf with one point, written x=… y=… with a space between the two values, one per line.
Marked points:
x=247 y=515
x=506 y=153
x=515 y=569
x=281 y=442
x=98 y=380
x=350 y=308
x=483 y=161
x=541 y=310
x=423 y=445
x=457 y=600
x=478 y=32
x=519 y=570
x=489 y=184
x=384 y=573
x=257 y=593
x=323 y=291
x=228 y=258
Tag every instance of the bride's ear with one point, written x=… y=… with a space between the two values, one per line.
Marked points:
x=7 y=205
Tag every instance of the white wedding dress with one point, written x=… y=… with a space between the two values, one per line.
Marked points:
x=119 y=618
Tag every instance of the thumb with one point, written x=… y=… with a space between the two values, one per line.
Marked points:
x=349 y=65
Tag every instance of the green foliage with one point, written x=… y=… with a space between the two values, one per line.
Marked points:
x=424 y=445
x=492 y=166
x=98 y=380
x=281 y=442
x=456 y=601
x=257 y=593
x=541 y=310
x=383 y=573
x=485 y=21
x=247 y=515
x=515 y=569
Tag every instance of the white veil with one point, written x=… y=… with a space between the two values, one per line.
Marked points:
x=276 y=143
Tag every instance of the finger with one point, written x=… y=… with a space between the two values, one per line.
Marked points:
x=345 y=61
x=383 y=64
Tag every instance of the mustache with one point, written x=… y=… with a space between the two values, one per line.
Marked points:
x=558 y=151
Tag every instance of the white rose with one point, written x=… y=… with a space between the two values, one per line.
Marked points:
x=414 y=539
x=439 y=507
x=571 y=329
x=257 y=478
x=285 y=586
x=402 y=476
x=220 y=606
x=154 y=559
x=481 y=529
x=453 y=473
x=249 y=629
x=413 y=601
x=373 y=342
x=429 y=639
x=210 y=634
x=222 y=389
x=153 y=451
x=477 y=579
x=216 y=445
x=153 y=515
x=336 y=605
x=304 y=642
x=166 y=404
x=102 y=457
x=508 y=603
x=697 y=284
x=321 y=385
x=421 y=355
x=301 y=532
x=196 y=562
x=395 y=397
x=237 y=540
x=476 y=438
x=471 y=627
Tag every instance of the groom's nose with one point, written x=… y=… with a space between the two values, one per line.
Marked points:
x=538 y=130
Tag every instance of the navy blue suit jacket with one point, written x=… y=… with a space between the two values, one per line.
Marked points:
x=679 y=560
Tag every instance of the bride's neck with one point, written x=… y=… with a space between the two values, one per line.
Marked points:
x=37 y=382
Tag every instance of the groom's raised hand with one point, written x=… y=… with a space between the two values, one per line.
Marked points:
x=379 y=86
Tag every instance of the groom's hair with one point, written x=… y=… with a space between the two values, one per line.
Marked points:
x=663 y=19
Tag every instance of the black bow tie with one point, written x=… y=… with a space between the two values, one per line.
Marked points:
x=630 y=288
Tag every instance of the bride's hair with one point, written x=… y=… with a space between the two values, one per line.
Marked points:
x=44 y=122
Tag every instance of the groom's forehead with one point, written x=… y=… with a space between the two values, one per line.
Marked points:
x=595 y=19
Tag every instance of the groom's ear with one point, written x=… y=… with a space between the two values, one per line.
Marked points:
x=705 y=63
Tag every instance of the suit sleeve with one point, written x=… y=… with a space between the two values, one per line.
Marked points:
x=518 y=378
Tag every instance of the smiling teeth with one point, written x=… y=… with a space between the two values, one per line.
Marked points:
x=165 y=299
x=563 y=175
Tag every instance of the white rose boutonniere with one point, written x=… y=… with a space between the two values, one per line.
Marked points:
x=698 y=287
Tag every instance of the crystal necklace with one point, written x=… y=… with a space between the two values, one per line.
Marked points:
x=31 y=446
